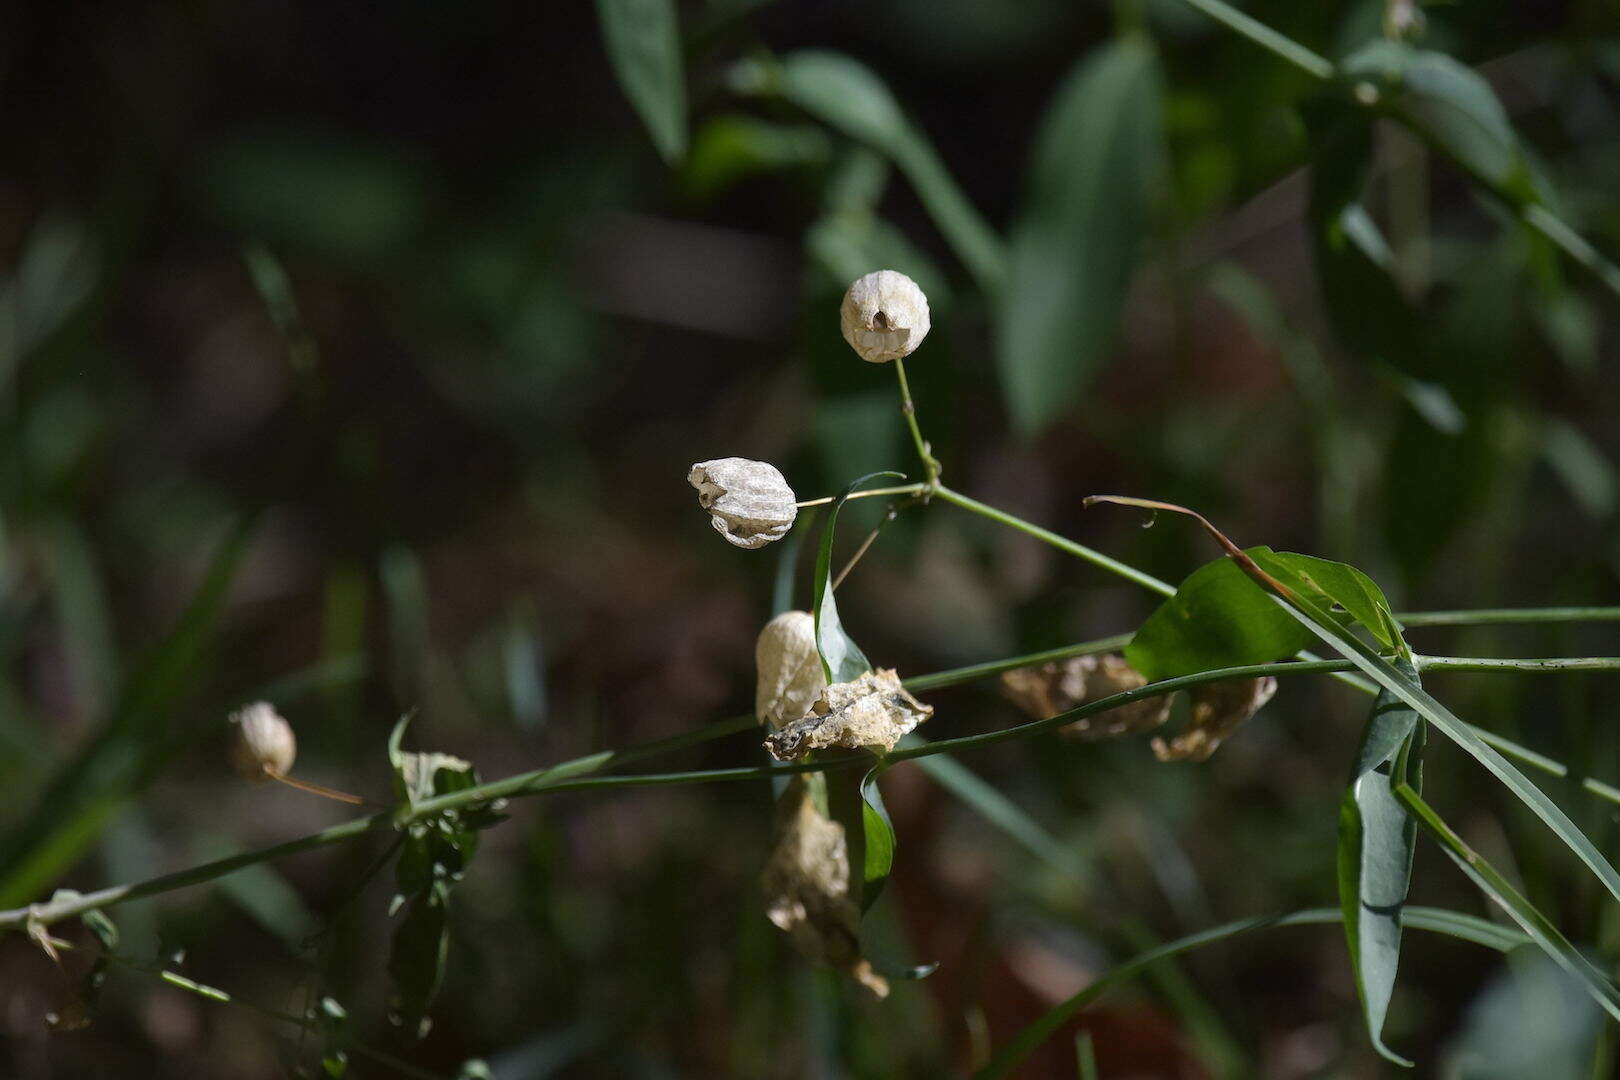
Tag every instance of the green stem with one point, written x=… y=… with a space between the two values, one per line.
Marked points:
x=1507 y=616
x=908 y=409
x=573 y=775
x=1062 y=543
x=903 y=489
x=1259 y=33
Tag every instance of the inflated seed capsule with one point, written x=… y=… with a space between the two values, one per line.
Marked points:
x=789 y=669
x=884 y=316
x=264 y=745
x=749 y=501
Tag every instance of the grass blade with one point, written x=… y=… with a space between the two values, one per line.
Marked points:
x=1451 y=923
x=1490 y=881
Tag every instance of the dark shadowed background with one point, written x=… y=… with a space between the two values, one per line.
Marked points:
x=353 y=356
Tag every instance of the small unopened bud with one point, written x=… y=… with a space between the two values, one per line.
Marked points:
x=884 y=316
x=750 y=501
x=789 y=669
x=264 y=746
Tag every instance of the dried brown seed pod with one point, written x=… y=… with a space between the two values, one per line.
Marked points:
x=871 y=711
x=884 y=316
x=264 y=746
x=1218 y=709
x=750 y=502
x=806 y=885
x=788 y=668
x=1048 y=689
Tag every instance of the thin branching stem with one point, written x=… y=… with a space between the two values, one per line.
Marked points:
x=574 y=775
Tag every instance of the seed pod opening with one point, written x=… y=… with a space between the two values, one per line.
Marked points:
x=749 y=502
x=788 y=668
x=884 y=316
x=264 y=745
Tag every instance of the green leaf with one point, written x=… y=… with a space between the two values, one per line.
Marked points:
x=1099 y=162
x=417 y=957
x=1491 y=881
x=1335 y=584
x=644 y=47
x=1376 y=839
x=1448 y=105
x=1400 y=685
x=726 y=149
x=1217 y=618
x=841 y=659
x=1354 y=263
x=880 y=839
x=1452 y=923
x=848 y=96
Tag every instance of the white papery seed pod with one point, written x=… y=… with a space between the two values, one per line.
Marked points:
x=750 y=501
x=264 y=745
x=884 y=316
x=789 y=669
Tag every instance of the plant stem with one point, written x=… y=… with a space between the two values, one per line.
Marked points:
x=572 y=775
x=1507 y=616
x=908 y=409
x=1062 y=543
x=1277 y=44
x=903 y=489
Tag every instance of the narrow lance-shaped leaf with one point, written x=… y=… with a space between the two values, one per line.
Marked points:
x=841 y=658
x=1375 y=861
x=1498 y=888
x=880 y=839
x=1098 y=163
x=847 y=95
x=644 y=46
x=1218 y=619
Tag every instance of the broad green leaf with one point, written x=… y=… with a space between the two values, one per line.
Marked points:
x=880 y=839
x=1335 y=584
x=1448 y=105
x=644 y=47
x=1531 y=1019
x=1376 y=839
x=841 y=659
x=1217 y=618
x=1491 y=881
x=1098 y=164
x=848 y=96
x=1451 y=923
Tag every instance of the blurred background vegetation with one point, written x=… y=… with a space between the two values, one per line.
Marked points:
x=354 y=358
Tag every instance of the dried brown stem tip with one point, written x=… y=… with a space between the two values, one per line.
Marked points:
x=264 y=746
x=749 y=502
x=884 y=316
